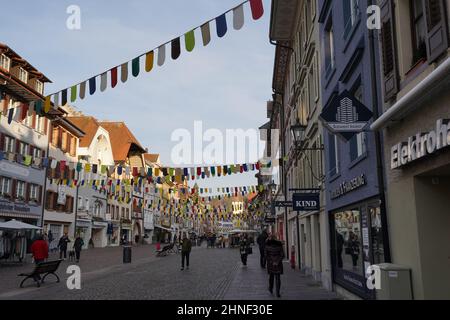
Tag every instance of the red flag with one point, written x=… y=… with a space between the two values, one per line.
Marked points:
x=257 y=9
x=113 y=77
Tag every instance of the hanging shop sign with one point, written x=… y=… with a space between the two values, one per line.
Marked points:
x=306 y=201
x=61 y=195
x=421 y=145
x=283 y=204
x=349 y=186
x=346 y=115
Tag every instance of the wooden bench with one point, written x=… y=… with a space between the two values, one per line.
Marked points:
x=47 y=268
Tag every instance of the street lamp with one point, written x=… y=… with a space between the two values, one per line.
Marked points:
x=272 y=187
x=298 y=132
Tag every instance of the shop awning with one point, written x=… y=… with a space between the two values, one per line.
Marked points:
x=164 y=228
x=17 y=225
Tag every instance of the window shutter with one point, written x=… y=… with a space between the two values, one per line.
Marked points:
x=13 y=189
x=388 y=50
x=48 y=200
x=45 y=126
x=27 y=191
x=30 y=150
x=437 y=32
x=2 y=141
x=33 y=122
x=39 y=196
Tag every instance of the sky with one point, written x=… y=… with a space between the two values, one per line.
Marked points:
x=225 y=84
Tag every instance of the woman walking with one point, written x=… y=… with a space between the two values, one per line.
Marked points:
x=274 y=257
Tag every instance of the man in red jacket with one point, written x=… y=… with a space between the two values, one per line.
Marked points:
x=39 y=249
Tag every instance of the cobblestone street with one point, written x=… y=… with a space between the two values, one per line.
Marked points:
x=214 y=274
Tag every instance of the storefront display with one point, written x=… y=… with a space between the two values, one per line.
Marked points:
x=357 y=243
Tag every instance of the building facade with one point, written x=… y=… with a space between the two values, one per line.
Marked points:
x=94 y=219
x=23 y=140
x=298 y=103
x=415 y=124
x=60 y=192
x=354 y=181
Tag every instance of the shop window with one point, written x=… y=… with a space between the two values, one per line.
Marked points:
x=5 y=187
x=419 y=32
x=348 y=242
x=376 y=234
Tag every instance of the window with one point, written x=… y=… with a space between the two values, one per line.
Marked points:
x=97 y=208
x=39 y=87
x=5 y=62
x=39 y=123
x=351 y=13
x=37 y=153
x=69 y=204
x=333 y=155
x=80 y=203
x=358 y=142
x=20 y=190
x=376 y=233
x=64 y=141
x=347 y=240
x=9 y=144
x=28 y=121
x=50 y=200
x=123 y=213
x=23 y=148
x=73 y=145
x=86 y=201
x=5 y=187
x=55 y=136
x=329 y=48
x=23 y=75
x=419 y=32
x=34 y=193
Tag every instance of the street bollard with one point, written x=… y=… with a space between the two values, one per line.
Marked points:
x=126 y=254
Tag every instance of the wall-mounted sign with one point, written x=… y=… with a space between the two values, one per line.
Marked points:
x=348 y=186
x=283 y=204
x=421 y=144
x=306 y=201
x=61 y=195
x=346 y=115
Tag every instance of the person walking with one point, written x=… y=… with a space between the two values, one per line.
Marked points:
x=186 y=246
x=274 y=254
x=262 y=238
x=62 y=245
x=39 y=250
x=244 y=248
x=77 y=246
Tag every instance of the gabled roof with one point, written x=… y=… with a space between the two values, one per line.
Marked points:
x=122 y=140
x=89 y=125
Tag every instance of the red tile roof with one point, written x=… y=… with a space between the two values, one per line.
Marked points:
x=121 y=139
x=153 y=158
x=89 y=125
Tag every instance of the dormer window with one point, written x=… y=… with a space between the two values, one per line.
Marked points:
x=23 y=75
x=5 y=62
x=39 y=87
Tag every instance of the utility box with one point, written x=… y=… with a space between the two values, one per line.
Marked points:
x=395 y=282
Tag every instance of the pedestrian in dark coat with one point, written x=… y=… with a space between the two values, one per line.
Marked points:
x=77 y=246
x=243 y=249
x=62 y=245
x=262 y=238
x=186 y=246
x=274 y=255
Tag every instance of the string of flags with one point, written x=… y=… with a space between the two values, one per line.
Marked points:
x=121 y=72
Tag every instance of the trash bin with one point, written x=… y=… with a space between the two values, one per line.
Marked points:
x=126 y=254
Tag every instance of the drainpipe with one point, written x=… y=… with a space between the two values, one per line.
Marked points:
x=378 y=147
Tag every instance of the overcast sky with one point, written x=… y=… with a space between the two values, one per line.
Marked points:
x=226 y=84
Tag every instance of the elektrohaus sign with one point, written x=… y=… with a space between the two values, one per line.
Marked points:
x=421 y=144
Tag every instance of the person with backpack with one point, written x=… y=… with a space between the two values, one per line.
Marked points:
x=78 y=246
x=274 y=254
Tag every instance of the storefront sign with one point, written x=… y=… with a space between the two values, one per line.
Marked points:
x=348 y=186
x=83 y=224
x=306 y=201
x=99 y=224
x=346 y=115
x=5 y=206
x=283 y=204
x=421 y=144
